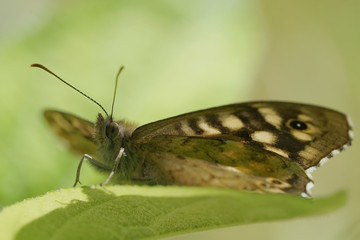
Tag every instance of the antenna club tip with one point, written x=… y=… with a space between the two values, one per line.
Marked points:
x=36 y=65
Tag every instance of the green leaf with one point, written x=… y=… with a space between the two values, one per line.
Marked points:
x=134 y=212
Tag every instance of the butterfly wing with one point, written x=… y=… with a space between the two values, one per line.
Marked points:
x=221 y=163
x=302 y=133
x=76 y=132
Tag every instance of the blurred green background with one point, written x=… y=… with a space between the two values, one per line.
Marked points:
x=179 y=56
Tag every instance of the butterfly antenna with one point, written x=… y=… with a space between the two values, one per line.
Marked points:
x=116 y=83
x=46 y=69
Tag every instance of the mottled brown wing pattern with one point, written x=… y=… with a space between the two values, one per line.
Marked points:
x=302 y=133
x=186 y=171
x=76 y=132
x=222 y=163
x=257 y=146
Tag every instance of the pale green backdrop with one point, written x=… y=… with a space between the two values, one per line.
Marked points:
x=179 y=56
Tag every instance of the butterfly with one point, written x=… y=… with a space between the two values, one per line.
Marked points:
x=265 y=146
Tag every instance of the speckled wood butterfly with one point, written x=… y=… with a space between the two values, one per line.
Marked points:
x=254 y=146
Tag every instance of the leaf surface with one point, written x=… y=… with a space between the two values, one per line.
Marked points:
x=134 y=212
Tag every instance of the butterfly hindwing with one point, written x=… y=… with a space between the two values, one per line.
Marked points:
x=226 y=163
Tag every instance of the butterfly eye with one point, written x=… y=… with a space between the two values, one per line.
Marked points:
x=298 y=125
x=112 y=130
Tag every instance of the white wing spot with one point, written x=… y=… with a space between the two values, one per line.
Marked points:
x=309 y=152
x=277 y=150
x=231 y=122
x=304 y=118
x=264 y=137
x=301 y=136
x=309 y=187
x=310 y=170
x=351 y=133
x=185 y=127
x=334 y=152
x=208 y=130
x=271 y=116
x=323 y=161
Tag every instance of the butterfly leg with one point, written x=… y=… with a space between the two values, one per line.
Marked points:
x=116 y=165
x=84 y=157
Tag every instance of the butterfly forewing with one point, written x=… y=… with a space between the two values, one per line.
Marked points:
x=76 y=132
x=302 y=133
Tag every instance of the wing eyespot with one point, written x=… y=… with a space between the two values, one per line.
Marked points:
x=298 y=125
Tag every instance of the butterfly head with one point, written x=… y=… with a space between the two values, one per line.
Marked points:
x=112 y=129
x=106 y=130
x=110 y=132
